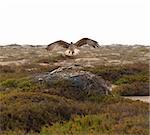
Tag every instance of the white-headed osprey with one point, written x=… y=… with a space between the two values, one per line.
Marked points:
x=72 y=48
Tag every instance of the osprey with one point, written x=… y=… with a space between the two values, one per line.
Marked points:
x=72 y=49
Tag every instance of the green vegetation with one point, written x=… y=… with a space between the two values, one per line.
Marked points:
x=134 y=89
x=38 y=109
x=30 y=111
x=114 y=73
x=99 y=124
x=22 y=71
x=23 y=84
x=131 y=79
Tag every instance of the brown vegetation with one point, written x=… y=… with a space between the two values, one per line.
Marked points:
x=29 y=107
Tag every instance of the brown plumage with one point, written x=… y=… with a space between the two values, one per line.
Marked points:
x=72 y=48
x=88 y=41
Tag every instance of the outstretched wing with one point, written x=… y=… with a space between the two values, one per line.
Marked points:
x=57 y=44
x=88 y=41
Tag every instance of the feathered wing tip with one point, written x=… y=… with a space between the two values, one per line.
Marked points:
x=88 y=41
x=79 y=43
x=57 y=44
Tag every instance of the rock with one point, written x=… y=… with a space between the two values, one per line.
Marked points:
x=76 y=81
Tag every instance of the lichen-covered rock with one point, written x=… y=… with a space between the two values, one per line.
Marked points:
x=74 y=81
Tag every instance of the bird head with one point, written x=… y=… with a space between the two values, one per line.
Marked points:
x=71 y=43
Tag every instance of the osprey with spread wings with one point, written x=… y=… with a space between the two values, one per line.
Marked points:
x=72 y=49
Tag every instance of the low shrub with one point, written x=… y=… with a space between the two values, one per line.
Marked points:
x=114 y=73
x=24 y=84
x=53 y=58
x=36 y=68
x=43 y=60
x=14 y=132
x=25 y=68
x=62 y=110
x=29 y=111
x=10 y=83
x=119 y=118
x=7 y=69
x=141 y=77
x=134 y=89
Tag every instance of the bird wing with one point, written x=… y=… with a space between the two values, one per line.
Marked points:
x=88 y=41
x=56 y=44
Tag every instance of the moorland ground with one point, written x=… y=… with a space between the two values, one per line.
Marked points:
x=27 y=107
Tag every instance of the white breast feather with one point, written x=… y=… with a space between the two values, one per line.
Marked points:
x=69 y=52
x=76 y=51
